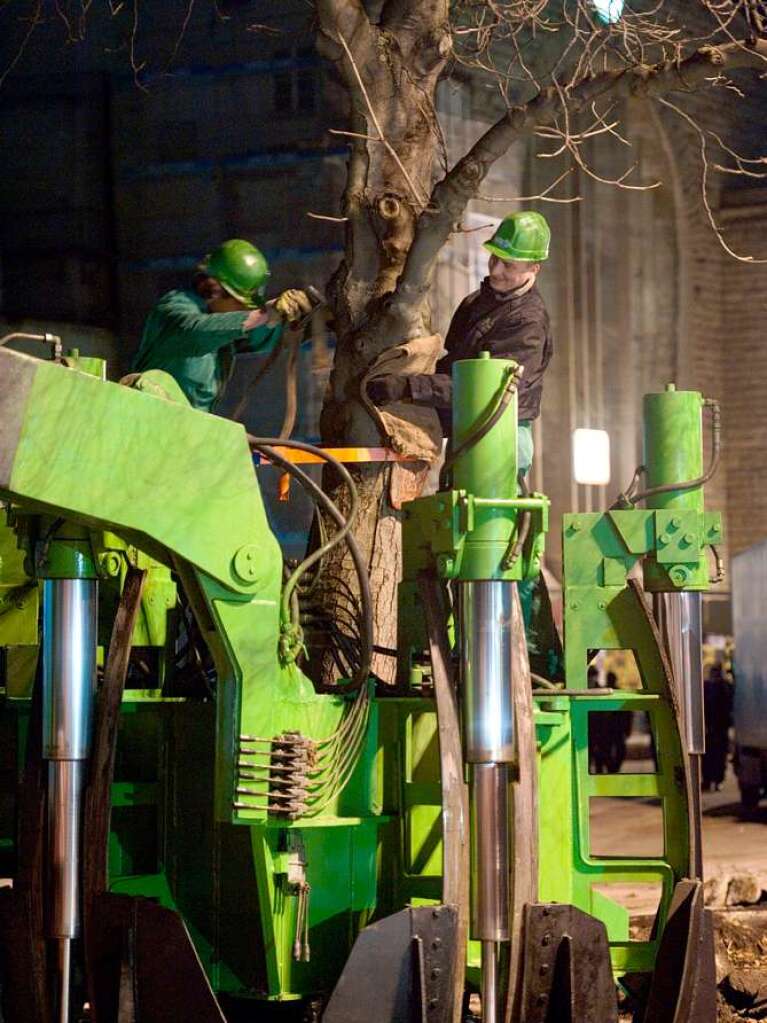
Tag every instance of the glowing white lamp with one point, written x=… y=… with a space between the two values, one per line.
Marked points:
x=608 y=11
x=591 y=457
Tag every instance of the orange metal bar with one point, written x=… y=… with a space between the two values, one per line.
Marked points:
x=342 y=454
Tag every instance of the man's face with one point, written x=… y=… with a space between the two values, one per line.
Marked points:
x=506 y=275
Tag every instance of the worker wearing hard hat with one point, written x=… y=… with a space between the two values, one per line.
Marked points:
x=506 y=317
x=193 y=334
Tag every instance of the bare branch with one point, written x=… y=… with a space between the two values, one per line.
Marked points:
x=323 y=216
x=34 y=21
x=704 y=181
x=541 y=197
x=451 y=195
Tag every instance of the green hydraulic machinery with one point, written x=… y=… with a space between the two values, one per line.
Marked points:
x=360 y=853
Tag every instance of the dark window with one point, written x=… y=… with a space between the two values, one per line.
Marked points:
x=294 y=85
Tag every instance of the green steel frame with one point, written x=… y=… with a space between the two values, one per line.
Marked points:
x=164 y=487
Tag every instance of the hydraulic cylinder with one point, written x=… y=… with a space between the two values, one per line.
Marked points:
x=673 y=453
x=69 y=679
x=487 y=468
x=673 y=447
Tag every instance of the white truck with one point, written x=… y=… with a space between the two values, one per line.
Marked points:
x=749 y=610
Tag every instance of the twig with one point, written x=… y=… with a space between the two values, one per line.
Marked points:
x=323 y=216
x=704 y=181
x=34 y=21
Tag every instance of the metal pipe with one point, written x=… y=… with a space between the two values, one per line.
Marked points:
x=485 y=616
x=490 y=842
x=679 y=618
x=485 y=610
x=489 y=993
x=69 y=679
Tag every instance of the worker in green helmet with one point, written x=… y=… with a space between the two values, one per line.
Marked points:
x=193 y=334
x=506 y=317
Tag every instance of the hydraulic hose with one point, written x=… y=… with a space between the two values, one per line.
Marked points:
x=265 y=445
x=666 y=488
x=495 y=410
x=516 y=544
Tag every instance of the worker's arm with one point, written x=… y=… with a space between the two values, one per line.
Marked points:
x=207 y=332
x=261 y=339
x=432 y=389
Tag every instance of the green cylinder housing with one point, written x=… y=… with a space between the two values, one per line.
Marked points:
x=673 y=453
x=488 y=469
x=673 y=446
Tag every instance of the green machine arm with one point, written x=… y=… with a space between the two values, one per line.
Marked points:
x=180 y=486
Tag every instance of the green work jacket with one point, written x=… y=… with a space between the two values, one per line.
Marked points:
x=196 y=347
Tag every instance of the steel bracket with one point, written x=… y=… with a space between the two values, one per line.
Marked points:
x=400 y=970
x=566 y=973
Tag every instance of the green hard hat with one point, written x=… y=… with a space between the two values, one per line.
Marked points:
x=524 y=236
x=240 y=269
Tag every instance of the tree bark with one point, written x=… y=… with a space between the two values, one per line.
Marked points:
x=390 y=71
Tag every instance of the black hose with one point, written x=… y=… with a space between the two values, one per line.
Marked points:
x=515 y=545
x=497 y=407
x=263 y=443
x=716 y=450
x=318 y=495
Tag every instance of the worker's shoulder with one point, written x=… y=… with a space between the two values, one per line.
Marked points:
x=180 y=299
x=529 y=307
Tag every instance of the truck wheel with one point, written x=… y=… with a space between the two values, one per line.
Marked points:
x=749 y=796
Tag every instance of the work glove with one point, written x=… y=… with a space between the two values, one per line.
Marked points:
x=293 y=305
x=388 y=388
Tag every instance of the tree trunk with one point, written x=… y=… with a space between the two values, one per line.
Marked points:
x=390 y=71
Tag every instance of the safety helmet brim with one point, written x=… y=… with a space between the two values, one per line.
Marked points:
x=517 y=256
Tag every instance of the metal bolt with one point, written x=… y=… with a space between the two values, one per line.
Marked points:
x=544 y=969
x=574 y=605
x=546 y=940
x=445 y=565
x=602 y=605
x=689 y=538
x=664 y=538
x=576 y=525
x=678 y=575
x=676 y=522
x=542 y=999
x=437 y=943
x=433 y=1003
x=436 y=972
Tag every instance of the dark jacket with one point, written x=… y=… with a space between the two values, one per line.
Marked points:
x=509 y=328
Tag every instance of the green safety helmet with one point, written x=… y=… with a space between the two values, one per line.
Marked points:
x=240 y=269
x=524 y=236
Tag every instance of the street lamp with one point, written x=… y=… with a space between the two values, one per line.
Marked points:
x=608 y=11
x=591 y=457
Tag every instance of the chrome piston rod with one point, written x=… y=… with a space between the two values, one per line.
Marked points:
x=485 y=616
x=679 y=619
x=69 y=677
